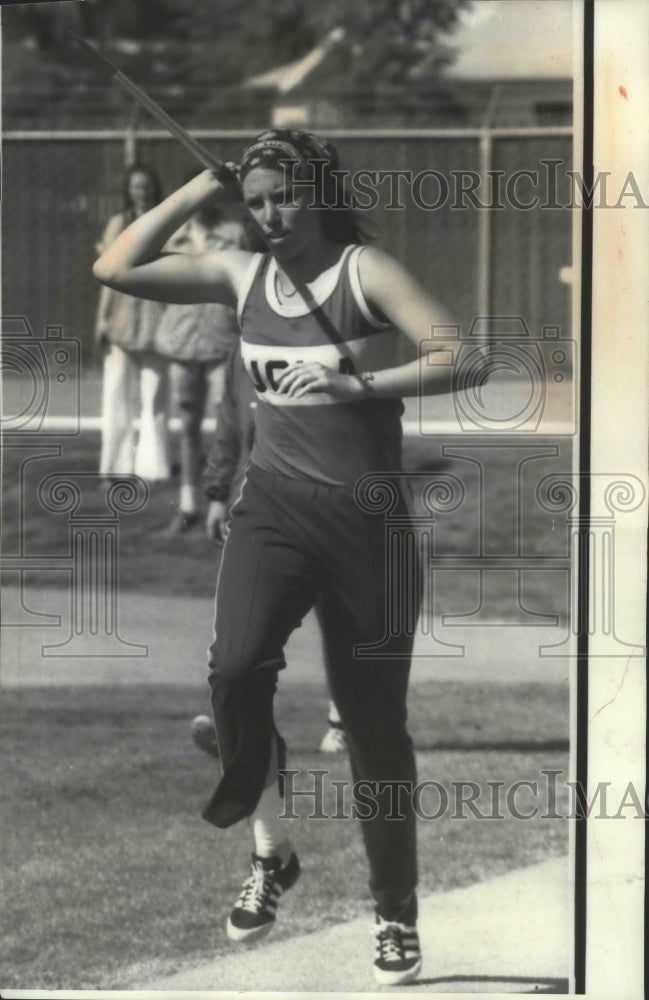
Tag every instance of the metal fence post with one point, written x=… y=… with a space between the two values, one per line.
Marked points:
x=484 y=232
x=130 y=139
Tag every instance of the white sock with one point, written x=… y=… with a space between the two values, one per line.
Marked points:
x=268 y=829
x=188 y=499
x=334 y=714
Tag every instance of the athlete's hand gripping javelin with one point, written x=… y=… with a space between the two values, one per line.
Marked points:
x=136 y=264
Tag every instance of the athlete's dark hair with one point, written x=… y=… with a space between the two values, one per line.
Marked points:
x=150 y=174
x=342 y=225
x=314 y=162
x=340 y=222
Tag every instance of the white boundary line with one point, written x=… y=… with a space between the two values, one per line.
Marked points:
x=411 y=428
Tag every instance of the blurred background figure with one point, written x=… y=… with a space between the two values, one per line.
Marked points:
x=134 y=375
x=197 y=339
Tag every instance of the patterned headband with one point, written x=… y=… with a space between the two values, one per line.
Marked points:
x=277 y=146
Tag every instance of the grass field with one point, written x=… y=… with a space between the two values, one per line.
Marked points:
x=110 y=876
x=499 y=516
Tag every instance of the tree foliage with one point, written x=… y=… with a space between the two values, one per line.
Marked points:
x=194 y=48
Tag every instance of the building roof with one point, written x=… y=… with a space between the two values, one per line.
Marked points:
x=285 y=78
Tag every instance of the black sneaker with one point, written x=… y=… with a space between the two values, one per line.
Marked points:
x=254 y=912
x=398 y=956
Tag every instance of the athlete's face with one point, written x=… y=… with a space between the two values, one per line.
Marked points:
x=282 y=214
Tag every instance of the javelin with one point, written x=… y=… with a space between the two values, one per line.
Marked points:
x=224 y=174
x=183 y=136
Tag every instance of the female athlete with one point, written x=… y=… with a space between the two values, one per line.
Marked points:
x=321 y=319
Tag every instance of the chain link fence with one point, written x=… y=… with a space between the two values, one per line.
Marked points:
x=60 y=189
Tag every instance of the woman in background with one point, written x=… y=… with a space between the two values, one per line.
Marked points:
x=197 y=340
x=134 y=376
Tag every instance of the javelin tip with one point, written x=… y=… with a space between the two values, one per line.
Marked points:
x=89 y=50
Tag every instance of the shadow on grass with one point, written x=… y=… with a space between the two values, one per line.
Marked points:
x=540 y=984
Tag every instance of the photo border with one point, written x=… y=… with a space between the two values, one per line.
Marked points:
x=610 y=739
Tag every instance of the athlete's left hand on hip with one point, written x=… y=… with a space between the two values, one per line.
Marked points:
x=302 y=378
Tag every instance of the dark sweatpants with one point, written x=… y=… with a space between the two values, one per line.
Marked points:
x=292 y=541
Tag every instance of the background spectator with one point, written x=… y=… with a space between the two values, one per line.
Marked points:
x=134 y=376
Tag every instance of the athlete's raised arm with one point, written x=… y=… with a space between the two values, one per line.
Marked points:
x=135 y=262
